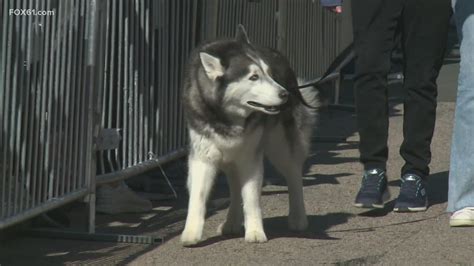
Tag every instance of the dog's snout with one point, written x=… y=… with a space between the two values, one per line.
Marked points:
x=283 y=95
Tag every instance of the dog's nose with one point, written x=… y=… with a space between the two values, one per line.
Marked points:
x=283 y=95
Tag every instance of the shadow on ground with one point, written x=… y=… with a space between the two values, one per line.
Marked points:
x=277 y=227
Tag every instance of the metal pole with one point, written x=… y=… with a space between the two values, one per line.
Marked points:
x=140 y=168
x=94 y=90
x=213 y=8
x=45 y=207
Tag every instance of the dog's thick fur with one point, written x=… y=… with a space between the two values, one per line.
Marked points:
x=241 y=104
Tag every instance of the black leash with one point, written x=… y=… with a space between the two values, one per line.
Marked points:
x=340 y=61
x=333 y=70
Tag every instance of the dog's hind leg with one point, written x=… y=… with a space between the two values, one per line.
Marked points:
x=250 y=172
x=234 y=221
x=287 y=156
x=200 y=179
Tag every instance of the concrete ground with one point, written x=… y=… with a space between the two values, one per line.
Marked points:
x=339 y=233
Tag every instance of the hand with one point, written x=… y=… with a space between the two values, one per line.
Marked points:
x=335 y=9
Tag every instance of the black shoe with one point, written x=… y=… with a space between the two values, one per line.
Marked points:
x=412 y=196
x=373 y=191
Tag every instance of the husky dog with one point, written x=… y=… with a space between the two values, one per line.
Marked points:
x=241 y=104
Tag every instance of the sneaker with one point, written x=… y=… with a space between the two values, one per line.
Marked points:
x=463 y=217
x=412 y=196
x=373 y=191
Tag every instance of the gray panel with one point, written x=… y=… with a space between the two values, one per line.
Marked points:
x=43 y=108
x=147 y=45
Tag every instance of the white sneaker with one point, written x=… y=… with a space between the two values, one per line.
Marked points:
x=463 y=217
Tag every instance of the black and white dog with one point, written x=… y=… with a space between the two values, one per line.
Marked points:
x=241 y=104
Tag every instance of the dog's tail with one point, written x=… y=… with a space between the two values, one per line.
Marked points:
x=311 y=97
x=307 y=116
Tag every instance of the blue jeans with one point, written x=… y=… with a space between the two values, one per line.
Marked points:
x=461 y=174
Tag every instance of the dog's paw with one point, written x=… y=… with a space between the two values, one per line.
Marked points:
x=255 y=237
x=227 y=228
x=297 y=223
x=190 y=237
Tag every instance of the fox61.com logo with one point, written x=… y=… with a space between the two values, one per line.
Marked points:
x=30 y=12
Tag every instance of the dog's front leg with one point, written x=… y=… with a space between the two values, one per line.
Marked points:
x=200 y=179
x=251 y=180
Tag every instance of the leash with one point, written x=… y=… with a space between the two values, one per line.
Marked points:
x=340 y=61
x=331 y=72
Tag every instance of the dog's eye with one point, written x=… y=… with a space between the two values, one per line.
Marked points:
x=254 y=77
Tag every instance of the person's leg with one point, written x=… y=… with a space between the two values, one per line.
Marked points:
x=461 y=174
x=424 y=33
x=374 y=25
x=425 y=28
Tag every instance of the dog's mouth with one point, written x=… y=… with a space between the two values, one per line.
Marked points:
x=274 y=109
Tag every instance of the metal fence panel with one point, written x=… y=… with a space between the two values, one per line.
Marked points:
x=308 y=35
x=259 y=18
x=43 y=107
x=312 y=37
x=147 y=44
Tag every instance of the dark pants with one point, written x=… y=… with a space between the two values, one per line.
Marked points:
x=424 y=26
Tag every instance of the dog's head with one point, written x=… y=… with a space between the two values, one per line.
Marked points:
x=241 y=79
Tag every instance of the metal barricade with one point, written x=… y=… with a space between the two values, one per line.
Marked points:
x=147 y=45
x=46 y=95
x=308 y=35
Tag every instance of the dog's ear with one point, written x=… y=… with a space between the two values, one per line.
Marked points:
x=241 y=35
x=212 y=65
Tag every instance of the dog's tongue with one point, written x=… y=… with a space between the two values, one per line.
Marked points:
x=272 y=108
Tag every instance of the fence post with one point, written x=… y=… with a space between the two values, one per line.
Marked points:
x=282 y=25
x=94 y=85
x=212 y=19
